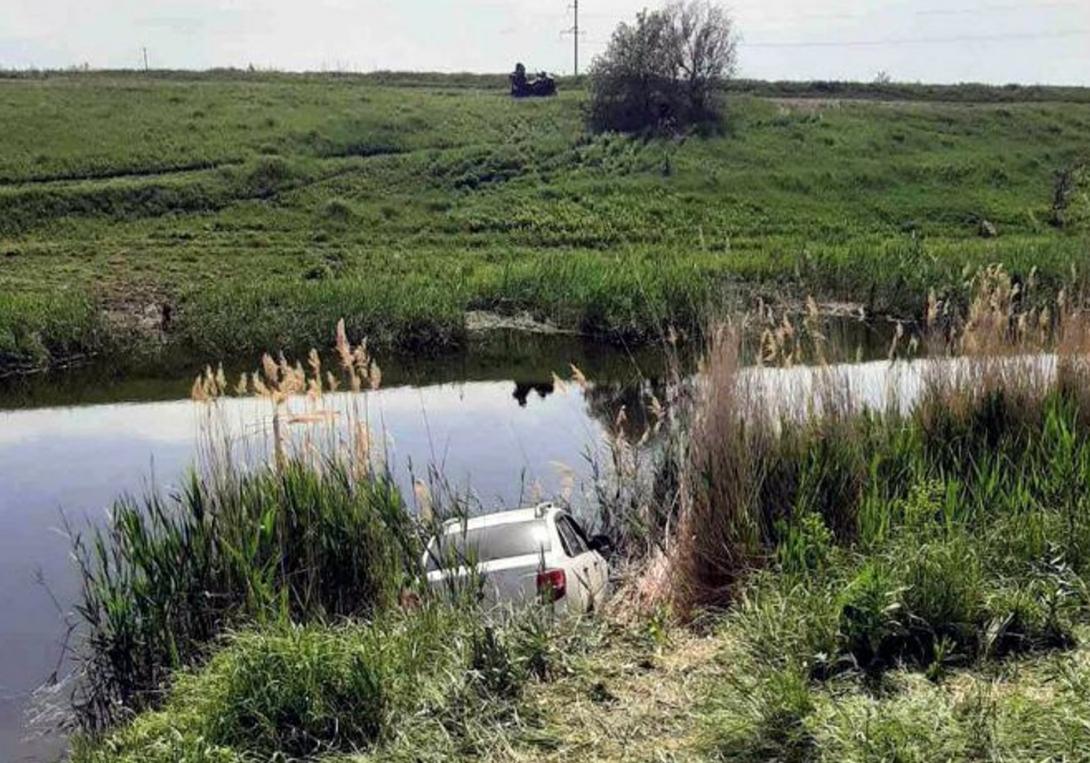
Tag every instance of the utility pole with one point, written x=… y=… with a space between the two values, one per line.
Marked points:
x=575 y=36
x=145 y=59
x=574 y=32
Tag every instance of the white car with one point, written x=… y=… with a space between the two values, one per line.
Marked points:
x=541 y=553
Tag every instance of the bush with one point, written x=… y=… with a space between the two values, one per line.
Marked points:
x=662 y=71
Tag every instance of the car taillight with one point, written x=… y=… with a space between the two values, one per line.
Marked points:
x=552 y=584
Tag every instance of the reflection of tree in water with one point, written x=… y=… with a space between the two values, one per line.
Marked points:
x=636 y=477
x=523 y=390
x=605 y=401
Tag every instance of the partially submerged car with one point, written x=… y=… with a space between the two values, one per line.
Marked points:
x=541 y=553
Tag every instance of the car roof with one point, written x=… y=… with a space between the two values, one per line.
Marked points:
x=541 y=511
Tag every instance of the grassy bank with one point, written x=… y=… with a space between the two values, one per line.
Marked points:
x=827 y=582
x=259 y=209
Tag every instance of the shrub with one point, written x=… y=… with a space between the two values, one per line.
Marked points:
x=662 y=71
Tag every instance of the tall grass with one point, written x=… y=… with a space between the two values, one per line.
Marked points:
x=943 y=532
x=408 y=313
x=998 y=412
x=169 y=575
x=318 y=532
x=37 y=330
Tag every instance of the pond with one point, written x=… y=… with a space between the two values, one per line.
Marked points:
x=491 y=420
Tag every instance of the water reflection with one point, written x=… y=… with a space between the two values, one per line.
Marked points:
x=523 y=390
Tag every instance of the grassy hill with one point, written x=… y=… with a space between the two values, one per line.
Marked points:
x=260 y=208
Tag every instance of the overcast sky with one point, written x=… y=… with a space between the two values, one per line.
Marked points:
x=998 y=41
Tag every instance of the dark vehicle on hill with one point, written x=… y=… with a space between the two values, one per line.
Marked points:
x=541 y=86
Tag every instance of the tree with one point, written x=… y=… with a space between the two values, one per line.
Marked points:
x=706 y=50
x=662 y=71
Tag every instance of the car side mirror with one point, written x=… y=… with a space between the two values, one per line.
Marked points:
x=601 y=544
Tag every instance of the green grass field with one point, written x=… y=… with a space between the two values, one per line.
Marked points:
x=261 y=209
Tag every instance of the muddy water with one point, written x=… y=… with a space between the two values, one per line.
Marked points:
x=491 y=420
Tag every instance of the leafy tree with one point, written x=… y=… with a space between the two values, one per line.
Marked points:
x=663 y=71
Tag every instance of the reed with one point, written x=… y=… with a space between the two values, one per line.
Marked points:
x=839 y=550
x=942 y=535
x=312 y=528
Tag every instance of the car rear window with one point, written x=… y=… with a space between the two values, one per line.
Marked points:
x=485 y=544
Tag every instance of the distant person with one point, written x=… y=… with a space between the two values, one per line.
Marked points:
x=518 y=81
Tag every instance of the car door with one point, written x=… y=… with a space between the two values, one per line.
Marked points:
x=584 y=563
x=600 y=567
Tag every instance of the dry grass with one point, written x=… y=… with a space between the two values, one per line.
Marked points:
x=634 y=699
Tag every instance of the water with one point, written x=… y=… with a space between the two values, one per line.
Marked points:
x=491 y=420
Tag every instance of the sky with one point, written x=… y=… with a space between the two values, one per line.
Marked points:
x=994 y=41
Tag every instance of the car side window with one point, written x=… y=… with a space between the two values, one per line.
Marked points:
x=580 y=532
x=569 y=537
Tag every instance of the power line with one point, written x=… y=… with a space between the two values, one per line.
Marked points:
x=920 y=40
x=955 y=11
x=996 y=7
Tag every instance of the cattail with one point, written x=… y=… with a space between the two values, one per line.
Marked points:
x=567 y=480
x=655 y=408
x=932 y=313
x=259 y=386
x=423 y=501
x=768 y=348
x=900 y=332
x=536 y=491
x=270 y=369
x=812 y=308
x=344 y=349
x=787 y=327
x=196 y=392
x=577 y=376
x=361 y=449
